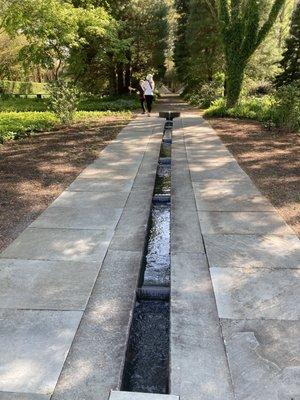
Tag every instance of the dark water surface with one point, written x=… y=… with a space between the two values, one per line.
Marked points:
x=148 y=353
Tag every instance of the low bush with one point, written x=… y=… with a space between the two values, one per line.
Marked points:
x=206 y=94
x=288 y=106
x=281 y=109
x=259 y=108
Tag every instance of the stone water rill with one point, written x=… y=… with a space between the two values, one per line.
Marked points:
x=147 y=360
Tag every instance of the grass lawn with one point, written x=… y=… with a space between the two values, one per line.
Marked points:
x=21 y=117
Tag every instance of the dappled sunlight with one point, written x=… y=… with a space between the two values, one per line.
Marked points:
x=256 y=292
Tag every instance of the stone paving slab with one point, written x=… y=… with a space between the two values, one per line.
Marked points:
x=185 y=234
x=33 y=348
x=60 y=244
x=257 y=293
x=22 y=396
x=208 y=170
x=38 y=284
x=264 y=358
x=218 y=222
x=95 y=361
x=219 y=195
x=91 y=199
x=78 y=218
x=140 y=396
x=198 y=360
x=96 y=185
x=256 y=251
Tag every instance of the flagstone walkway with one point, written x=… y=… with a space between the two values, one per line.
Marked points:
x=67 y=283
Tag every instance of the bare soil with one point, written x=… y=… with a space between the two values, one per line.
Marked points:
x=36 y=170
x=270 y=158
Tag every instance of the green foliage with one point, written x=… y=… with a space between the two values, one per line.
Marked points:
x=206 y=94
x=288 y=106
x=114 y=105
x=48 y=26
x=257 y=108
x=15 y=125
x=203 y=43
x=88 y=104
x=243 y=28
x=22 y=88
x=63 y=100
x=281 y=109
x=290 y=62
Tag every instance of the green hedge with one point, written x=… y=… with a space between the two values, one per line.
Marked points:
x=20 y=87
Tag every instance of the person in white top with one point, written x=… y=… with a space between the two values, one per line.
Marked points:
x=148 y=87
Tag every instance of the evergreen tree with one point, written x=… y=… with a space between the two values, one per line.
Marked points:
x=291 y=57
x=181 y=52
x=203 y=42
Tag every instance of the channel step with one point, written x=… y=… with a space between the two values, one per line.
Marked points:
x=161 y=198
x=165 y=161
x=114 y=395
x=153 y=293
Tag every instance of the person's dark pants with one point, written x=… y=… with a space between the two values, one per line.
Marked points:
x=143 y=105
x=149 y=101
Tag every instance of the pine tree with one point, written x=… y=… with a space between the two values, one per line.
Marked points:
x=290 y=62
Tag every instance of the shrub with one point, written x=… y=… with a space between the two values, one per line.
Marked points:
x=282 y=109
x=206 y=94
x=288 y=106
x=63 y=100
x=258 y=108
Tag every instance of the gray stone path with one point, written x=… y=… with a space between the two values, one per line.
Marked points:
x=67 y=283
x=235 y=279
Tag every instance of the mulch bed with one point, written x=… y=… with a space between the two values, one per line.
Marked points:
x=270 y=158
x=34 y=171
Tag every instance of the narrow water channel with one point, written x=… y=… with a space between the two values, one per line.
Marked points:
x=147 y=359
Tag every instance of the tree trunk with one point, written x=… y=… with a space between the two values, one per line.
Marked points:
x=234 y=81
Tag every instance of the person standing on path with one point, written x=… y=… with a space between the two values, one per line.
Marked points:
x=141 y=93
x=148 y=87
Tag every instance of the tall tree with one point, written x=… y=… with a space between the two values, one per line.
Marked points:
x=243 y=29
x=204 y=44
x=181 y=51
x=290 y=62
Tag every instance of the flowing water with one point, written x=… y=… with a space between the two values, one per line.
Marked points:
x=147 y=359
